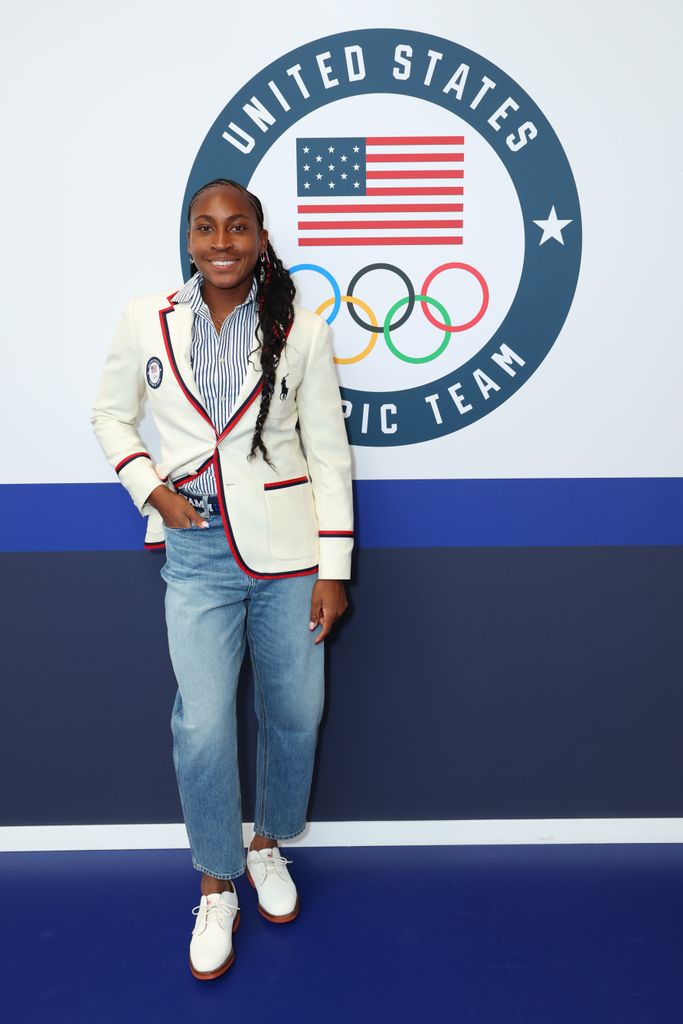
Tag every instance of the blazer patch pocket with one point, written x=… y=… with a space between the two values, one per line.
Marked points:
x=292 y=518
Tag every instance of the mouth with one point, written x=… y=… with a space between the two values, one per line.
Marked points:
x=223 y=263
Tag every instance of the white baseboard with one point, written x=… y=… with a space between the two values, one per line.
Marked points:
x=359 y=833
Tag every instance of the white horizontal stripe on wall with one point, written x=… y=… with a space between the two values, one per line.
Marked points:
x=358 y=833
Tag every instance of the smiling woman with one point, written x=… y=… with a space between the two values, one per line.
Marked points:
x=255 y=512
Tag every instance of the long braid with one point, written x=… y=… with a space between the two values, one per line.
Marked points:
x=274 y=302
x=274 y=298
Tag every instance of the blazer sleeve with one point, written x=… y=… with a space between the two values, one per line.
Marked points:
x=328 y=455
x=116 y=414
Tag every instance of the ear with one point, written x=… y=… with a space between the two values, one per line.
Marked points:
x=264 y=240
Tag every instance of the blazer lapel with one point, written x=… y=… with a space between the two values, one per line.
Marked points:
x=176 y=329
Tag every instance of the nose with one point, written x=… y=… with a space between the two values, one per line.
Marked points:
x=222 y=239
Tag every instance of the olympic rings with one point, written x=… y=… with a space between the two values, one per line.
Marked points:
x=484 y=301
x=335 y=287
x=350 y=299
x=423 y=298
x=382 y=266
x=415 y=359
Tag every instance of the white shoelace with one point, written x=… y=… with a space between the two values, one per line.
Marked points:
x=277 y=862
x=218 y=911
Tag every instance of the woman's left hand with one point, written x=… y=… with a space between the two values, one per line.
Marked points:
x=328 y=603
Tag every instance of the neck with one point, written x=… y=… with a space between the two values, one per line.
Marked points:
x=222 y=301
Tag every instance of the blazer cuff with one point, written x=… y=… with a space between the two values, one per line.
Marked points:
x=334 y=562
x=139 y=477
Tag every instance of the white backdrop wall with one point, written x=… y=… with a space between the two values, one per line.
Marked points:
x=107 y=106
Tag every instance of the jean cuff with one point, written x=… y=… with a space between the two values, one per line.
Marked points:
x=272 y=835
x=215 y=874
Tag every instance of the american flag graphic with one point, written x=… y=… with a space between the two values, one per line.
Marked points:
x=380 y=190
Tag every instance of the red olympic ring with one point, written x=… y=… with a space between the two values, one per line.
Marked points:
x=484 y=302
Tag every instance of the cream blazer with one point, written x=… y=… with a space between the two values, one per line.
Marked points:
x=295 y=520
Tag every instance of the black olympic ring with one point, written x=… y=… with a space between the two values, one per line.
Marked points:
x=381 y=266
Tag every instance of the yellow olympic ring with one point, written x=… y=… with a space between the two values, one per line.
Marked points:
x=373 y=320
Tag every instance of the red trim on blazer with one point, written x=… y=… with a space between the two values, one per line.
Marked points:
x=335 y=533
x=193 y=476
x=237 y=416
x=156 y=546
x=129 y=458
x=285 y=483
x=231 y=537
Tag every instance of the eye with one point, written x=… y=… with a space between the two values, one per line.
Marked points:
x=203 y=227
x=239 y=227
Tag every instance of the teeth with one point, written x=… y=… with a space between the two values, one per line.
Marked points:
x=222 y=263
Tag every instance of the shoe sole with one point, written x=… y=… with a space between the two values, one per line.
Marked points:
x=209 y=975
x=283 y=918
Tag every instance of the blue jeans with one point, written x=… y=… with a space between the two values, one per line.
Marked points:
x=212 y=610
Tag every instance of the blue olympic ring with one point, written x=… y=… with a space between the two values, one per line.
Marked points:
x=330 y=278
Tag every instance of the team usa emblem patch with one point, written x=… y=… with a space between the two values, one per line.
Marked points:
x=154 y=372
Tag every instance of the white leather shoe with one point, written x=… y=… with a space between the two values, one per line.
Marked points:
x=211 y=951
x=278 y=899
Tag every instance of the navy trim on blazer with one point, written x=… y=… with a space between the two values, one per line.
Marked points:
x=277 y=484
x=163 y=318
x=129 y=458
x=239 y=413
x=193 y=476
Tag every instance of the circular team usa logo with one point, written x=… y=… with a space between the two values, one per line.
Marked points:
x=154 y=372
x=426 y=210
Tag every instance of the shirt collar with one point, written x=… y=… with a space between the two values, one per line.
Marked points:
x=192 y=293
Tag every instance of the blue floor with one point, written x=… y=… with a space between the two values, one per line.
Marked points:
x=486 y=934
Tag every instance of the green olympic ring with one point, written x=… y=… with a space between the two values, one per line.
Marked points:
x=417 y=359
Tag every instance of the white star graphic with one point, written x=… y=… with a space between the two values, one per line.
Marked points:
x=318 y=176
x=305 y=149
x=356 y=167
x=330 y=149
x=355 y=149
x=330 y=167
x=306 y=185
x=356 y=185
x=331 y=184
x=552 y=227
x=307 y=167
x=344 y=158
x=344 y=176
x=318 y=158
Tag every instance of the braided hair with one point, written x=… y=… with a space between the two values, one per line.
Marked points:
x=275 y=293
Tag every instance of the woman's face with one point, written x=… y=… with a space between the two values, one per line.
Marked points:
x=224 y=238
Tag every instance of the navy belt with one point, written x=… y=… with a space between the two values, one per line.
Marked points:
x=202 y=502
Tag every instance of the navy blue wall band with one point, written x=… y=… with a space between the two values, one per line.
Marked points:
x=525 y=683
x=389 y=513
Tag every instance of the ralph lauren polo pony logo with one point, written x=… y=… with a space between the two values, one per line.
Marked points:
x=284 y=390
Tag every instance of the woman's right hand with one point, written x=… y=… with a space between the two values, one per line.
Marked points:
x=176 y=511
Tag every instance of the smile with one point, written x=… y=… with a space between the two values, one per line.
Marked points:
x=222 y=263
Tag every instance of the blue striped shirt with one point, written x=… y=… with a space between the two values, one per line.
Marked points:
x=219 y=361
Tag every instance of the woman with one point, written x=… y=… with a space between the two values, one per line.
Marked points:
x=252 y=500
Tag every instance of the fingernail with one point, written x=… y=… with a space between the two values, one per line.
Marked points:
x=204 y=525
x=311 y=625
